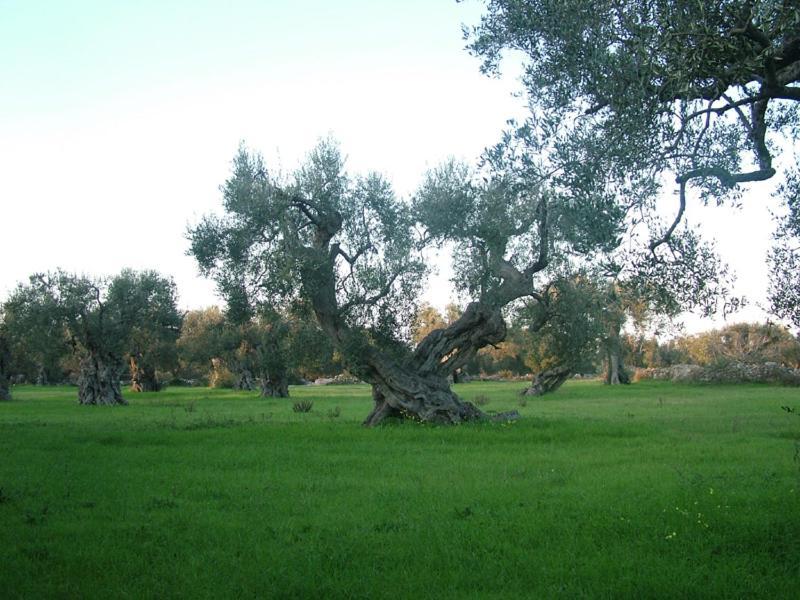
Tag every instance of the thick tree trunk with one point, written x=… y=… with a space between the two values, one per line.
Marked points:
x=98 y=382
x=273 y=386
x=615 y=372
x=615 y=369
x=420 y=390
x=5 y=368
x=548 y=381
x=143 y=376
x=41 y=375
x=244 y=380
x=416 y=388
x=428 y=399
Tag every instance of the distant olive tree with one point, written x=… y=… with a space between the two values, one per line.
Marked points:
x=148 y=303
x=96 y=317
x=564 y=331
x=200 y=343
x=38 y=342
x=75 y=306
x=5 y=360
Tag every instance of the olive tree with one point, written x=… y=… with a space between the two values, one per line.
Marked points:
x=76 y=306
x=37 y=341
x=272 y=340
x=148 y=303
x=5 y=360
x=346 y=247
x=564 y=331
x=350 y=250
x=202 y=343
x=97 y=317
x=630 y=95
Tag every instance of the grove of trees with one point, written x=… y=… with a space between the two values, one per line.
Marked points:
x=556 y=234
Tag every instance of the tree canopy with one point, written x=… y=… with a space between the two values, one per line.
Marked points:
x=351 y=251
x=148 y=304
x=625 y=95
x=100 y=319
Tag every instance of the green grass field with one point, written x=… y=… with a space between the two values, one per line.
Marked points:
x=648 y=491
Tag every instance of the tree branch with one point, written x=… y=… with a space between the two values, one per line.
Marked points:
x=371 y=300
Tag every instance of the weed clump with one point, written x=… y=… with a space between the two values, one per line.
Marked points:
x=303 y=406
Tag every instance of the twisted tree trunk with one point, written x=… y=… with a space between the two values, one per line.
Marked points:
x=274 y=386
x=420 y=389
x=143 y=376
x=428 y=399
x=98 y=382
x=417 y=387
x=548 y=381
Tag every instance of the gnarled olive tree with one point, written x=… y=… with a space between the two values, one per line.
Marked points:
x=148 y=302
x=97 y=317
x=75 y=306
x=352 y=251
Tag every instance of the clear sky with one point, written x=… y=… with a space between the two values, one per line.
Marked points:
x=118 y=119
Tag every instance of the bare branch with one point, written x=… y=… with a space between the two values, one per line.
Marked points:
x=665 y=238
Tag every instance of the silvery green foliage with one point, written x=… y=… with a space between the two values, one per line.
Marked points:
x=279 y=236
x=784 y=258
x=633 y=98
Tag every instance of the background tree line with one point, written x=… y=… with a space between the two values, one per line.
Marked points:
x=96 y=332
x=555 y=226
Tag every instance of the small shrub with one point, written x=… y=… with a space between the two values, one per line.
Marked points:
x=334 y=413
x=481 y=400
x=302 y=406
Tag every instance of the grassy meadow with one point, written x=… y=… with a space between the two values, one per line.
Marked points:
x=650 y=490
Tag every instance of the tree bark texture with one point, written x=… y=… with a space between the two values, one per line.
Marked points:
x=98 y=382
x=548 y=381
x=244 y=380
x=274 y=386
x=5 y=368
x=420 y=390
x=416 y=388
x=143 y=376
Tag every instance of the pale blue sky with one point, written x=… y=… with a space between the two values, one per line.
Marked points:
x=126 y=114
x=118 y=119
x=67 y=56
